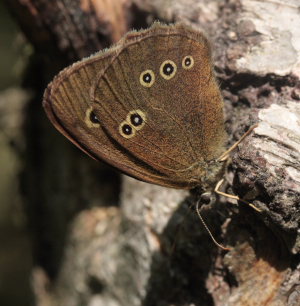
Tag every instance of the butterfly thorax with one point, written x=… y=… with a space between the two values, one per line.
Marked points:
x=204 y=174
x=214 y=172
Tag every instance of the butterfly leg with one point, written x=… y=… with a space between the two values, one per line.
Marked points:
x=232 y=196
x=225 y=155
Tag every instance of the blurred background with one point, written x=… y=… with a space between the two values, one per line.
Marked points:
x=41 y=173
x=15 y=252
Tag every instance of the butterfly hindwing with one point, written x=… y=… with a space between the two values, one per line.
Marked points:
x=163 y=77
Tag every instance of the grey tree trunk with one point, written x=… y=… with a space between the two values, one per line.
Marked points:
x=104 y=240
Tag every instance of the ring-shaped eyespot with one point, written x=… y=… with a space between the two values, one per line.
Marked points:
x=91 y=120
x=147 y=78
x=188 y=62
x=168 y=69
x=126 y=130
x=137 y=118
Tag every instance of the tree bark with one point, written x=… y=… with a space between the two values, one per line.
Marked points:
x=151 y=249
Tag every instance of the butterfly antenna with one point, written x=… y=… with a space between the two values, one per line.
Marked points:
x=209 y=232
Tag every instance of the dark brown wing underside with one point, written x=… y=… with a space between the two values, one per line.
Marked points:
x=161 y=151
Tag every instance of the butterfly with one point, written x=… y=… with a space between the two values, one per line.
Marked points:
x=149 y=106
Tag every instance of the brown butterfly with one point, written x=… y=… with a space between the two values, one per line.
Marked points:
x=149 y=106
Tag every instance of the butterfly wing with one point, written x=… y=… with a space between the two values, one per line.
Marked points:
x=67 y=100
x=68 y=105
x=159 y=102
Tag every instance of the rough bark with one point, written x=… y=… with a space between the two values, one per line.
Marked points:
x=152 y=250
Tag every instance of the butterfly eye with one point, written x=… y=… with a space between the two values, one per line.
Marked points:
x=137 y=118
x=147 y=78
x=188 y=62
x=91 y=119
x=168 y=69
x=126 y=130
